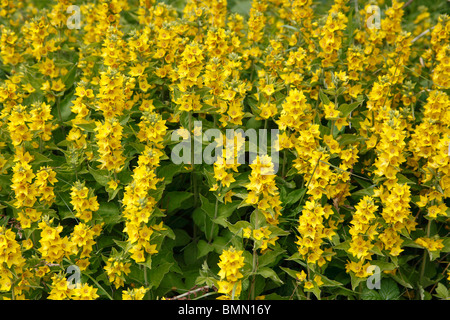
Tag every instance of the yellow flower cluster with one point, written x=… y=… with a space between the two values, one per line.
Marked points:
x=138 y=204
x=109 y=136
x=134 y=294
x=84 y=203
x=440 y=36
x=332 y=33
x=227 y=161
x=60 y=290
x=25 y=192
x=262 y=236
x=116 y=271
x=11 y=259
x=230 y=264
x=312 y=230
x=309 y=284
x=83 y=236
x=430 y=244
x=263 y=192
x=53 y=247
x=363 y=229
x=358 y=91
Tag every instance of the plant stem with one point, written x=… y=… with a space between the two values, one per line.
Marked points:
x=252 y=288
x=424 y=258
x=58 y=108
x=216 y=208
x=145 y=276
x=254 y=267
x=193 y=176
x=308 y=294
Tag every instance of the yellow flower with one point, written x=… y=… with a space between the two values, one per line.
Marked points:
x=58 y=85
x=134 y=294
x=318 y=280
x=258 y=234
x=341 y=122
x=268 y=89
x=246 y=232
x=28 y=244
x=301 y=276
x=113 y=184
x=309 y=285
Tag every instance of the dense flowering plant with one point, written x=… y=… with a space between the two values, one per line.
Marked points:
x=105 y=107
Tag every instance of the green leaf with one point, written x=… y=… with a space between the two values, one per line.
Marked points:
x=220 y=244
x=257 y=219
x=182 y=238
x=402 y=281
x=346 y=109
x=323 y=97
x=168 y=171
x=147 y=263
x=446 y=244
x=65 y=106
x=88 y=127
x=347 y=138
x=370 y=294
x=205 y=223
x=39 y=158
x=384 y=266
x=316 y=291
x=203 y=248
x=355 y=281
x=290 y=272
x=109 y=212
x=294 y=196
x=156 y=274
x=328 y=282
x=190 y=253
x=269 y=273
x=389 y=290
x=411 y=243
x=124 y=245
x=404 y=180
x=101 y=176
x=175 y=200
x=343 y=245
x=364 y=192
x=441 y=291
x=269 y=257
x=290 y=27
x=207 y=206
x=69 y=78
x=238 y=227
x=113 y=193
x=226 y=210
